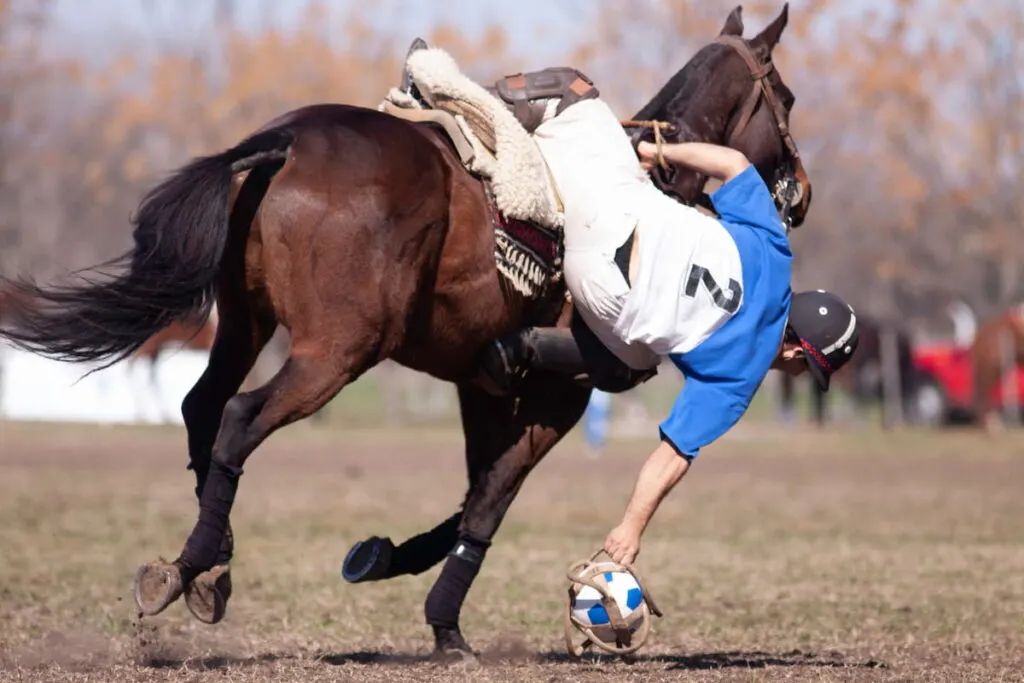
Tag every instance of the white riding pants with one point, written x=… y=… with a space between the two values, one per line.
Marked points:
x=607 y=195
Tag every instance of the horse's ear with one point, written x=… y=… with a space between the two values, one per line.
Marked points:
x=733 y=23
x=769 y=37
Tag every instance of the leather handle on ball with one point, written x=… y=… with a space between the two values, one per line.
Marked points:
x=585 y=573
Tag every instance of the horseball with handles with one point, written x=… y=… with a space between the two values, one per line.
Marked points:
x=590 y=573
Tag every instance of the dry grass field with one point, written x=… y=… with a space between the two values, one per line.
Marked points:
x=792 y=555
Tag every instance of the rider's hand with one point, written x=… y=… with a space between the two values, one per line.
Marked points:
x=648 y=154
x=623 y=543
x=662 y=471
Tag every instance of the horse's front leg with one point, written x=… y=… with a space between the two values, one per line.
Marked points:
x=378 y=558
x=487 y=424
x=239 y=339
x=504 y=442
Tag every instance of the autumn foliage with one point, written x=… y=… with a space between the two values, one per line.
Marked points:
x=910 y=117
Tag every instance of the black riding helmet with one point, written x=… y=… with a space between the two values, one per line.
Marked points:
x=825 y=327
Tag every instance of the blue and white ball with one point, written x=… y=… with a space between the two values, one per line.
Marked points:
x=589 y=611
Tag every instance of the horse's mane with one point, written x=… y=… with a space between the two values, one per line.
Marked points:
x=688 y=84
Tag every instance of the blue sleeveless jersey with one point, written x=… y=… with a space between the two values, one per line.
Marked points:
x=725 y=370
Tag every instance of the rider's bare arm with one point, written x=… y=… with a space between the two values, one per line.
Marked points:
x=659 y=475
x=716 y=161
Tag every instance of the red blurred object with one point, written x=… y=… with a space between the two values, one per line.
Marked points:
x=953 y=370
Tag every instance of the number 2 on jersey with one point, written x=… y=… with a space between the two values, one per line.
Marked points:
x=699 y=274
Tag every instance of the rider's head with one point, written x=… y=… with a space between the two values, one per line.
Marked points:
x=821 y=336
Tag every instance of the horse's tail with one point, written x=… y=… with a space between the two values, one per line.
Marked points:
x=107 y=312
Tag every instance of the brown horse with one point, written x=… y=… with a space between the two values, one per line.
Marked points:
x=363 y=235
x=998 y=340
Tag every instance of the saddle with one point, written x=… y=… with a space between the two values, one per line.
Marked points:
x=491 y=130
x=495 y=122
x=525 y=95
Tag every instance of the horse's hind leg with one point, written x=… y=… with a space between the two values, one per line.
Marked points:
x=245 y=328
x=317 y=369
x=246 y=324
x=240 y=338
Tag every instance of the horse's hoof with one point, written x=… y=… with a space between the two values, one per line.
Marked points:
x=207 y=596
x=451 y=648
x=157 y=585
x=368 y=560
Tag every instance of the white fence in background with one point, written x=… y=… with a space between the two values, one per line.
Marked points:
x=36 y=388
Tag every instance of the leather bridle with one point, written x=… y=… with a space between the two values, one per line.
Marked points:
x=789 y=193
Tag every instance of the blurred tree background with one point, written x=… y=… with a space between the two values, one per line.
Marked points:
x=909 y=113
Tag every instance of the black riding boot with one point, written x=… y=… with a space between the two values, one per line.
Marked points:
x=506 y=360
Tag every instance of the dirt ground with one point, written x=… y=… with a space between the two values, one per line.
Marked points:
x=784 y=555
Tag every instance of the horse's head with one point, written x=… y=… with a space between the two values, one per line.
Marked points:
x=732 y=93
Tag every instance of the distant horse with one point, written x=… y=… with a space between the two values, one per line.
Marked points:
x=179 y=335
x=7 y=308
x=364 y=236
x=12 y=300
x=998 y=340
